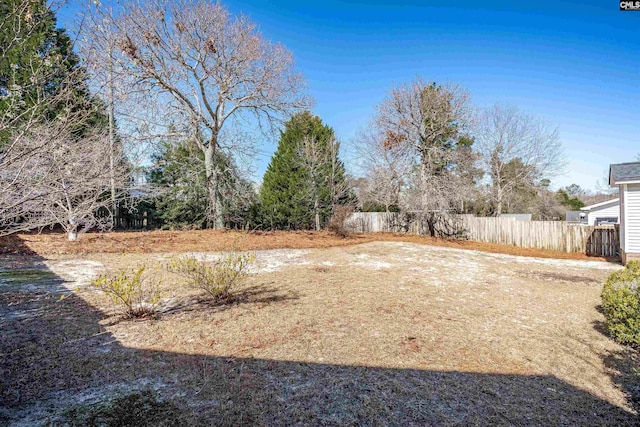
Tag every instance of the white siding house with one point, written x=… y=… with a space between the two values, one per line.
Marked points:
x=606 y=212
x=632 y=219
x=518 y=217
x=627 y=177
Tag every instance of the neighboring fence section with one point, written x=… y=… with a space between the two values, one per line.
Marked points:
x=553 y=235
x=139 y=219
x=604 y=241
x=136 y=221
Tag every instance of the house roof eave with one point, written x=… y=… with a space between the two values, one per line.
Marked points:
x=597 y=205
x=635 y=181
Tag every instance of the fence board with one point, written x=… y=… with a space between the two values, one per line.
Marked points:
x=131 y=220
x=552 y=235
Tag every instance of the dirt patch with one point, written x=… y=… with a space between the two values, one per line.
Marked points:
x=384 y=333
x=47 y=244
x=560 y=277
x=267 y=261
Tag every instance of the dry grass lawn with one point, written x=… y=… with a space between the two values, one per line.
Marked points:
x=386 y=332
x=161 y=241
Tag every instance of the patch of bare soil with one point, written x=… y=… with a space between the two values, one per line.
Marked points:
x=383 y=333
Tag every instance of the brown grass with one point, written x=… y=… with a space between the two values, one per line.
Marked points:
x=215 y=240
x=385 y=333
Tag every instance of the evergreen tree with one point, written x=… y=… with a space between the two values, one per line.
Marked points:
x=238 y=197
x=573 y=203
x=305 y=178
x=181 y=176
x=37 y=63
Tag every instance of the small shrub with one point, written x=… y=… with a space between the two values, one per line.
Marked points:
x=135 y=292
x=219 y=280
x=337 y=222
x=621 y=304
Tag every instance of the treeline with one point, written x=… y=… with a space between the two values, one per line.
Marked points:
x=438 y=165
x=302 y=186
x=176 y=91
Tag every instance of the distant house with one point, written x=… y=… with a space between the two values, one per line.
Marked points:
x=518 y=217
x=576 y=217
x=627 y=177
x=601 y=213
x=139 y=183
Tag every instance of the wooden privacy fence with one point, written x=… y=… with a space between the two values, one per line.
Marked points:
x=553 y=235
x=604 y=241
x=140 y=219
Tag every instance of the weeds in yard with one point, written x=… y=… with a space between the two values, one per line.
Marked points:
x=221 y=279
x=135 y=292
x=142 y=409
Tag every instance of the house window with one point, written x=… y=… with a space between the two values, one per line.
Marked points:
x=607 y=220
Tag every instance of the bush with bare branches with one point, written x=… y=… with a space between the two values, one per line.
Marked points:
x=136 y=292
x=220 y=279
x=338 y=221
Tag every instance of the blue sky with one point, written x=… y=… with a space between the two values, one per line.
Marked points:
x=576 y=64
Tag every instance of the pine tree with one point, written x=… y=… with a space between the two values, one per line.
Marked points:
x=37 y=62
x=303 y=177
x=183 y=200
x=180 y=174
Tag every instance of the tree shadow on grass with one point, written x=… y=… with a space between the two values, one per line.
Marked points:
x=260 y=295
x=59 y=365
x=623 y=367
x=14 y=245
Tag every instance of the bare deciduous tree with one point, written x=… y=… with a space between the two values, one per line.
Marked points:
x=30 y=136
x=426 y=119
x=207 y=68
x=47 y=148
x=429 y=123
x=58 y=178
x=386 y=168
x=52 y=170
x=514 y=148
x=313 y=159
x=326 y=180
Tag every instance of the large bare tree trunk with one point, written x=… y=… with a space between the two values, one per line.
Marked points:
x=499 y=198
x=72 y=235
x=215 y=210
x=316 y=209
x=424 y=182
x=112 y=145
x=427 y=215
